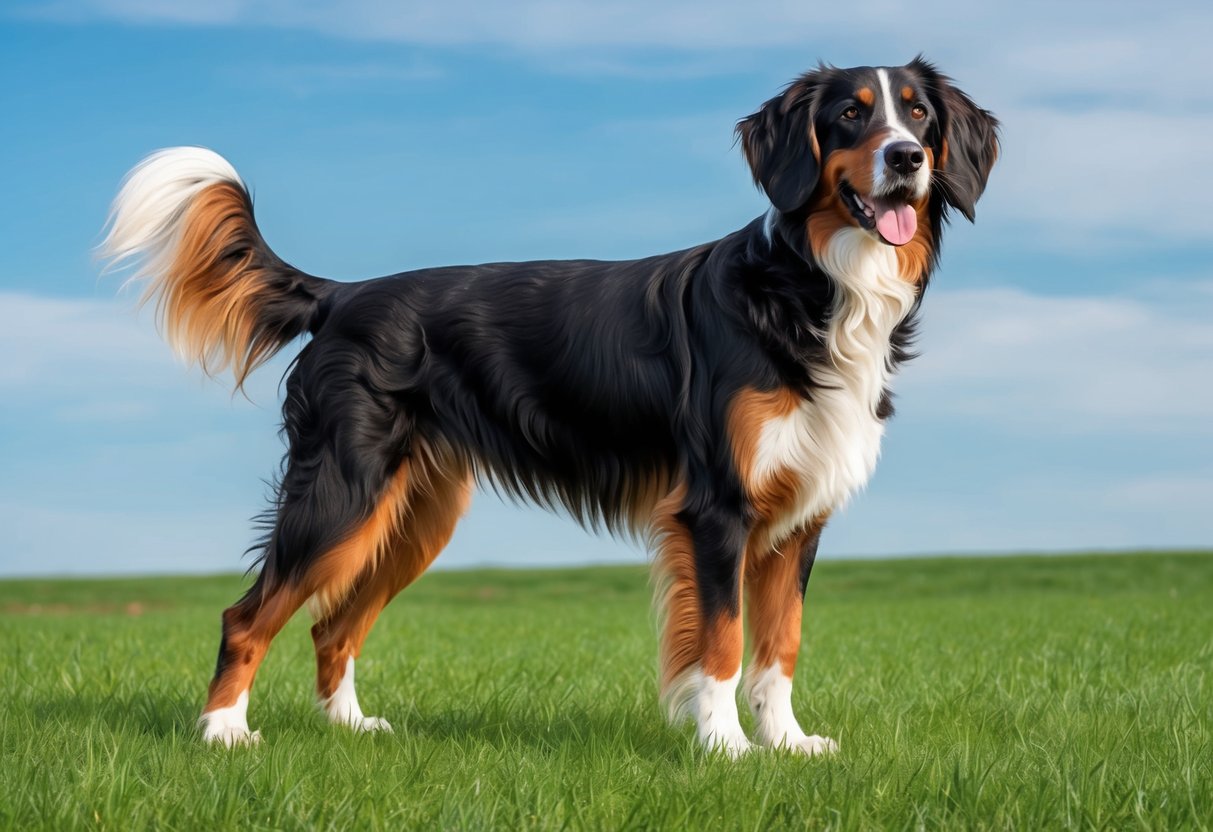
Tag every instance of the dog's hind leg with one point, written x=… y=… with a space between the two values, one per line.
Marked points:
x=699 y=563
x=248 y=627
x=330 y=529
x=775 y=584
x=438 y=494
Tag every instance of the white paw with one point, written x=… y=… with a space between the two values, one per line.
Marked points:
x=814 y=746
x=229 y=725
x=230 y=735
x=775 y=725
x=732 y=744
x=342 y=707
x=367 y=724
x=713 y=702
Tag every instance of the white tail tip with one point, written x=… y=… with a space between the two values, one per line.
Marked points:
x=144 y=219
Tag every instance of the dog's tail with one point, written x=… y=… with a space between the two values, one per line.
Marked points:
x=223 y=298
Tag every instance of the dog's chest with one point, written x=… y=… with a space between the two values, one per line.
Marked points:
x=828 y=443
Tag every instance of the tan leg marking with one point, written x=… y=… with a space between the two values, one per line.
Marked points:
x=775 y=606
x=249 y=627
x=437 y=499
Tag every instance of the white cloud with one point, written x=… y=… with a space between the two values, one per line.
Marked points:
x=1071 y=364
x=1142 y=59
x=303 y=80
x=1095 y=177
x=529 y=24
x=87 y=349
x=38 y=335
x=1094 y=39
x=1187 y=495
x=47 y=539
x=1037 y=513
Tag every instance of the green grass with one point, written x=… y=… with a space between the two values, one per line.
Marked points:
x=1028 y=693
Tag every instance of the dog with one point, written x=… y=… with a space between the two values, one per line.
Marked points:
x=721 y=401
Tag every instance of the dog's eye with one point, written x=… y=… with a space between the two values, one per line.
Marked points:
x=851 y=113
x=918 y=113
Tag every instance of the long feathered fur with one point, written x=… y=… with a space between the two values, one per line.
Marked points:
x=609 y=390
x=184 y=219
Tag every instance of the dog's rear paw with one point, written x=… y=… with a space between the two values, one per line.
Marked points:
x=229 y=726
x=815 y=746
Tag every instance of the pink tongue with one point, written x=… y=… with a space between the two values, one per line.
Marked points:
x=896 y=223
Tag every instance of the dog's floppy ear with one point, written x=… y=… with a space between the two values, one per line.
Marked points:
x=967 y=142
x=781 y=148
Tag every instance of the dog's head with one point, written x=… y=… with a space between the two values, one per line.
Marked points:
x=883 y=149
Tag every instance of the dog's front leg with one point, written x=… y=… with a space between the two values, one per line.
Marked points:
x=775 y=583
x=700 y=563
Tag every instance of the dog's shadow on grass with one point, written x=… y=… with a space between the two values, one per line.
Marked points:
x=550 y=734
x=151 y=713
x=164 y=716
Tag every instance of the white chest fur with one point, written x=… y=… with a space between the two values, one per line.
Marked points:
x=831 y=441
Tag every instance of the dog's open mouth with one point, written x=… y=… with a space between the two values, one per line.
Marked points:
x=891 y=216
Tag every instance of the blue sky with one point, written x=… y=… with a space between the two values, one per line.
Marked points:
x=1063 y=399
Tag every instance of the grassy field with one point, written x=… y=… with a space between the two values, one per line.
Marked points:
x=1029 y=693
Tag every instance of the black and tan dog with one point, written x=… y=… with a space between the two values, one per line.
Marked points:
x=723 y=400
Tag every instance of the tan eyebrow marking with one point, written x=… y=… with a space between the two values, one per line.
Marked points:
x=907 y=94
x=866 y=96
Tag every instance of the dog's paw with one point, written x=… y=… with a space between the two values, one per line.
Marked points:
x=732 y=744
x=229 y=735
x=350 y=716
x=815 y=746
x=229 y=726
x=368 y=725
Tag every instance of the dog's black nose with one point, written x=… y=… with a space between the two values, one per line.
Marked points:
x=904 y=157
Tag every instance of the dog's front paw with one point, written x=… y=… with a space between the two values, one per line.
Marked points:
x=368 y=724
x=815 y=746
x=732 y=744
x=229 y=735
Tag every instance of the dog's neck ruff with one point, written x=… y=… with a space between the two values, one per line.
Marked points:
x=831 y=441
x=870 y=301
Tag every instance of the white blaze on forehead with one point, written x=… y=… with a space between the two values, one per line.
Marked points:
x=890 y=109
